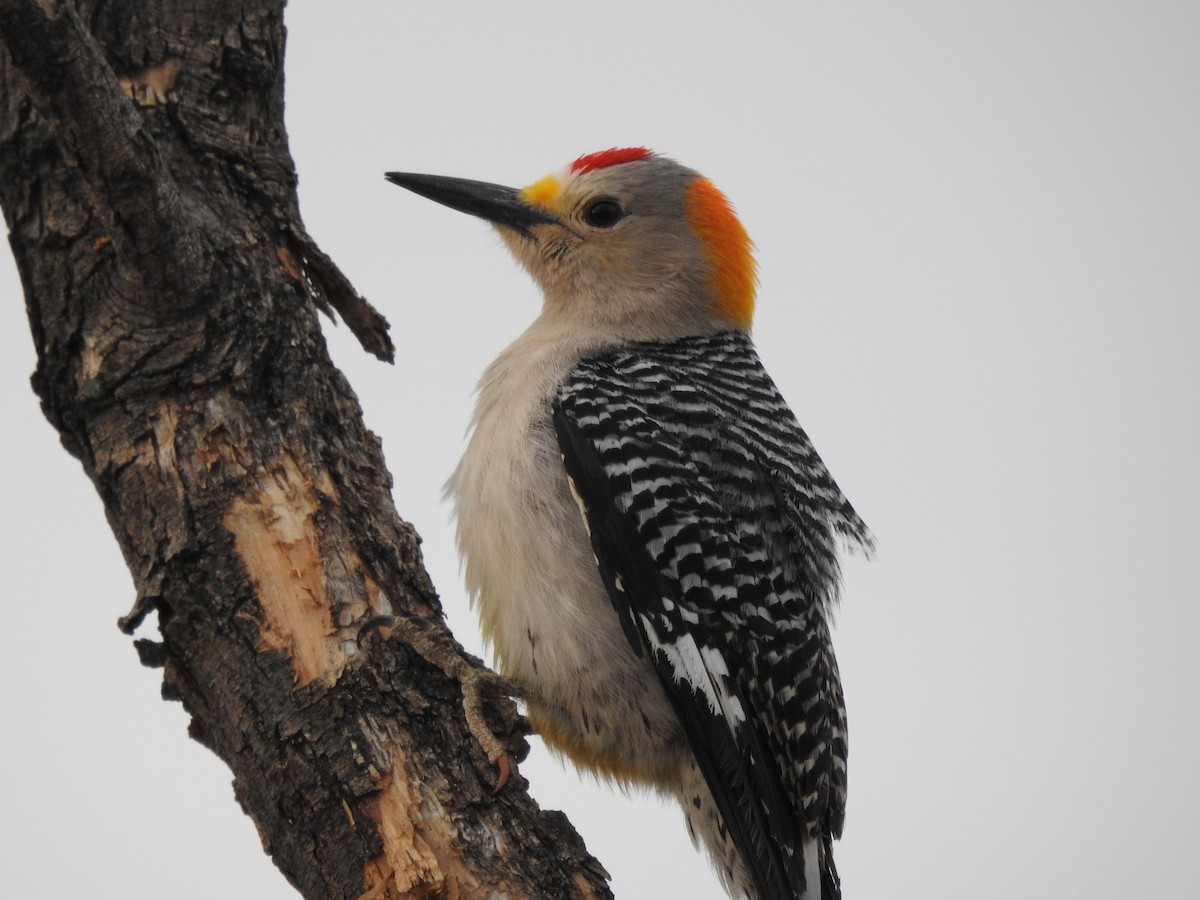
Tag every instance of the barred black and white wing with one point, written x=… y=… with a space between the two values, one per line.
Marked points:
x=715 y=526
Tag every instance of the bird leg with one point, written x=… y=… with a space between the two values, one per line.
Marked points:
x=435 y=645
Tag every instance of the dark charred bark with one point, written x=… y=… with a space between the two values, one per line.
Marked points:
x=172 y=294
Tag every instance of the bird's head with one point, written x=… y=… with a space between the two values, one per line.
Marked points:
x=623 y=239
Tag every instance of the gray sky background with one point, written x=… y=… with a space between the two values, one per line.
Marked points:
x=979 y=235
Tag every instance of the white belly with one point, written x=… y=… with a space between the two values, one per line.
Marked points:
x=530 y=569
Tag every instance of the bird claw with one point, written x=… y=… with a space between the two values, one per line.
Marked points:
x=506 y=766
x=435 y=646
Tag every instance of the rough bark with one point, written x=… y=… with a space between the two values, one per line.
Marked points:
x=172 y=294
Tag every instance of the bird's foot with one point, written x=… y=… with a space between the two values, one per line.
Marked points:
x=435 y=645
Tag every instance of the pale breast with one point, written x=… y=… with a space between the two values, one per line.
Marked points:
x=528 y=561
x=532 y=574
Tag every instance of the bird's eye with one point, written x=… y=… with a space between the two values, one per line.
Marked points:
x=603 y=213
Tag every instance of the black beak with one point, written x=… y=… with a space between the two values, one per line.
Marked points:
x=494 y=202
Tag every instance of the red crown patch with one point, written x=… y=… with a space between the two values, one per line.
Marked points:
x=605 y=158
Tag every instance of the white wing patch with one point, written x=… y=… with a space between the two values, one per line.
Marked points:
x=701 y=668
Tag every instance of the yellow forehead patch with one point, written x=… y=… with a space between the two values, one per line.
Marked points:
x=734 y=277
x=542 y=192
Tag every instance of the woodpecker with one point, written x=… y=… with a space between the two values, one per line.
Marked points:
x=648 y=534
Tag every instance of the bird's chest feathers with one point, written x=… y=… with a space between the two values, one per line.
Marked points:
x=527 y=557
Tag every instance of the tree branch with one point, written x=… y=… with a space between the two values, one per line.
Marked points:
x=171 y=289
x=123 y=173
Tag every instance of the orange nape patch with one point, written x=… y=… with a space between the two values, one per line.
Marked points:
x=542 y=192
x=734 y=276
x=605 y=158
